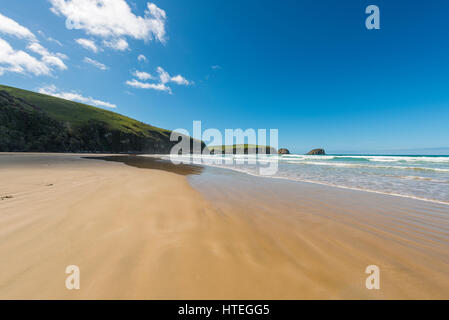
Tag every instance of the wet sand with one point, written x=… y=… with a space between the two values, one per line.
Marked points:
x=137 y=232
x=311 y=241
x=151 y=163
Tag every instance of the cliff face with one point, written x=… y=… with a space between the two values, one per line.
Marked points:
x=40 y=123
x=283 y=151
x=316 y=152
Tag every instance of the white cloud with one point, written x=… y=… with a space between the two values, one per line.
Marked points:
x=54 y=40
x=52 y=90
x=61 y=55
x=38 y=48
x=20 y=61
x=50 y=39
x=95 y=63
x=142 y=58
x=116 y=44
x=143 y=85
x=112 y=20
x=142 y=75
x=163 y=75
x=87 y=44
x=12 y=28
x=47 y=57
x=164 y=79
x=216 y=67
x=180 y=80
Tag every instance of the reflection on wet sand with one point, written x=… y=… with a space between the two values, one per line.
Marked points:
x=153 y=163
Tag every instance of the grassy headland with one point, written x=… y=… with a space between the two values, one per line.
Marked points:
x=37 y=122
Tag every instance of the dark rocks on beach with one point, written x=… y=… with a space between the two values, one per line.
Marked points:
x=6 y=197
x=317 y=152
x=283 y=151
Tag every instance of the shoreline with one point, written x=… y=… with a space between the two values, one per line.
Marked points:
x=151 y=234
x=197 y=168
x=337 y=186
x=317 y=182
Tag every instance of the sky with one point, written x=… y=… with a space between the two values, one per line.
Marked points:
x=310 y=69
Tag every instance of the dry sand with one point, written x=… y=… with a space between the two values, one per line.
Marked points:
x=147 y=234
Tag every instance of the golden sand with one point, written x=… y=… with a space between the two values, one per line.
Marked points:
x=147 y=234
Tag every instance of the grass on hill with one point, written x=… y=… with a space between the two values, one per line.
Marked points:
x=31 y=121
x=78 y=114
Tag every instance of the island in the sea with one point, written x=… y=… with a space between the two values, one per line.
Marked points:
x=317 y=152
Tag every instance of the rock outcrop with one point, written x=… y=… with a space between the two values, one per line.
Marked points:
x=283 y=151
x=316 y=152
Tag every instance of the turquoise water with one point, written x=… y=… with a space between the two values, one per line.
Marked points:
x=421 y=177
x=424 y=177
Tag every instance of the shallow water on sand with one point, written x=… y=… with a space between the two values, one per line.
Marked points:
x=420 y=177
x=407 y=238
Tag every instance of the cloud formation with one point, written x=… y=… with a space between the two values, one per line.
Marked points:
x=163 y=77
x=87 y=44
x=166 y=78
x=143 y=85
x=179 y=80
x=12 y=28
x=116 y=44
x=50 y=39
x=52 y=90
x=112 y=20
x=19 y=61
x=141 y=75
x=95 y=63
x=142 y=58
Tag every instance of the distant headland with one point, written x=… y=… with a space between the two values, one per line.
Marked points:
x=317 y=152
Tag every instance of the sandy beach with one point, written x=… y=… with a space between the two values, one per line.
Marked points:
x=139 y=233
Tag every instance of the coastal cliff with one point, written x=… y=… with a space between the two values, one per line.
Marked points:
x=33 y=122
x=283 y=151
x=316 y=152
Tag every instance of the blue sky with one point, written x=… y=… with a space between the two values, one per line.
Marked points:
x=308 y=68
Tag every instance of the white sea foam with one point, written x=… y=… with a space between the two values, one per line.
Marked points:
x=355 y=165
x=337 y=186
x=437 y=159
x=424 y=178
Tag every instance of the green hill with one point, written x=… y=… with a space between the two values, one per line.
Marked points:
x=36 y=122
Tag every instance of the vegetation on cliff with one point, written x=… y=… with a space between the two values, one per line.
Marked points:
x=318 y=152
x=283 y=151
x=36 y=122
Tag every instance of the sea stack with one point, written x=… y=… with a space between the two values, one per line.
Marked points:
x=283 y=151
x=316 y=152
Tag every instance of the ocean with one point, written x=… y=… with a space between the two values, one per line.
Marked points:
x=419 y=177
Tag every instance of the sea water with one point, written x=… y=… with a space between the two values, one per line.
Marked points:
x=420 y=177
